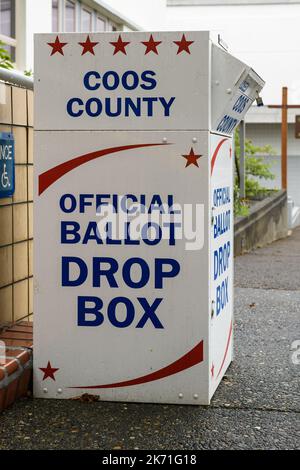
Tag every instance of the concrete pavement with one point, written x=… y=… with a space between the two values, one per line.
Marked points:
x=256 y=406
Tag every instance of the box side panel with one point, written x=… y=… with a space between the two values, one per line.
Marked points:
x=221 y=258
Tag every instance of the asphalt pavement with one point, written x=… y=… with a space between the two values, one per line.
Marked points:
x=256 y=406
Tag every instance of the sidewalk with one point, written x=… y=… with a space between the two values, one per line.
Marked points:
x=256 y=406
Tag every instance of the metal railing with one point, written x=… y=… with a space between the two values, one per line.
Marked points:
x=16 y=78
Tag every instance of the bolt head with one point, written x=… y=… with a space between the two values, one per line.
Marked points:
x=59 y=390
x=196 y=396
x=194 y=139
x=180 y=395
x=45 y=390
x=165 y=140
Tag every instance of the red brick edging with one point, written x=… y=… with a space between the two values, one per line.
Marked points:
x=16 y=343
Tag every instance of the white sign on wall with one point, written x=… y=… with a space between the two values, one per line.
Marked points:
x=133 y=219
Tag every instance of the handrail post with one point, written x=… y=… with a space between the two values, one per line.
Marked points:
x=284 y=132
x=242 y=131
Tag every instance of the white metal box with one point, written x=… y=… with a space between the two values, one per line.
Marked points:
x=134 y=215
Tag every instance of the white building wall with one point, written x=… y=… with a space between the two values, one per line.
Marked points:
x=149 y=14
x=270 y=134
x=35 y=16
x=265 y=36
x=32 y=16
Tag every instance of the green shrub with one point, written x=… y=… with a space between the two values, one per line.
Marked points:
x=240 y=206
x=5 y=59
x=254 y=166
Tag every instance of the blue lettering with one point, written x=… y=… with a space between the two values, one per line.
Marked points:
x=91 y=306
x=146 y=77
x=70 y=108
x=134 y=78
x=69 y=232
x=111 y=312
x=160 y=274
x=167 y=104
x=98 y=271
x=115 y=80
x=108 y=107
x=84 y=202
x=71 y=199
x=93 y=107
x=145 y=273
x=83 y=311
x=149 y=313
x=221 y=259
x=135 y=107
x=222 y=297
x=151 y=241
x=92 y=233
x=65 y=271
x=227 y=124
x=87 y=83
x=149 y=102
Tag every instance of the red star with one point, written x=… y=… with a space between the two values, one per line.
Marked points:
x=120 y=45
x=48 y=371
x=191 y=158
x=183 y=45
x=151 y=45
x=212 y=370
x=57 y=46
x=88 y=46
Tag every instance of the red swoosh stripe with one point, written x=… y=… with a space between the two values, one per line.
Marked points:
x=226 y=350
x=214 y=157
x=50 y=176
x=190 y=359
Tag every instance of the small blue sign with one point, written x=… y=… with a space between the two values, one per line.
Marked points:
x=7 y=164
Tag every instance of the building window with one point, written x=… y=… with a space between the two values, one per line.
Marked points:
x=86 y=20
x=70 y=16
x=100 y=24
x=7 y=26
x=74 y=15
x=112 y=27
x=55 y=17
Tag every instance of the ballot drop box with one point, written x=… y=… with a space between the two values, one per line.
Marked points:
x=133 y=214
